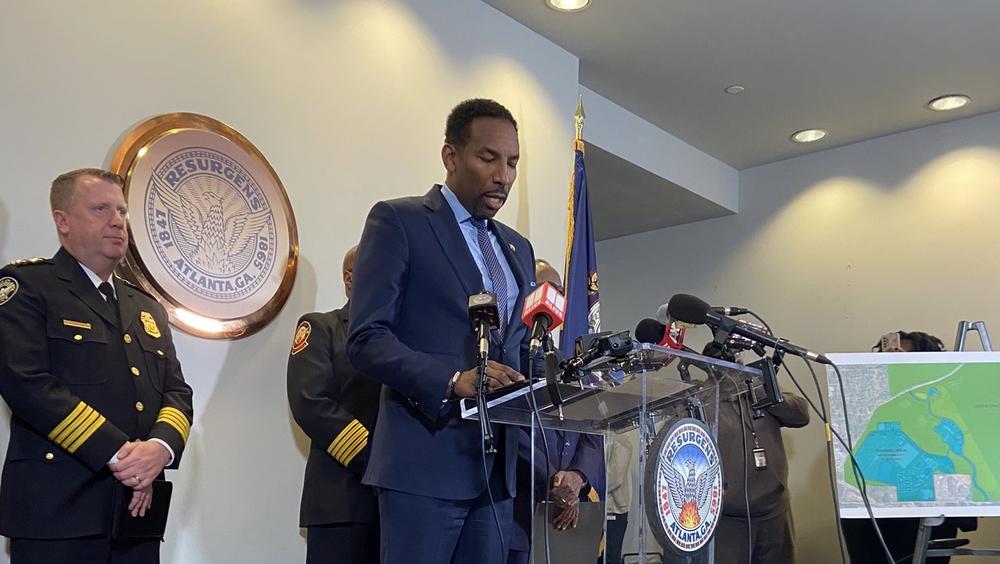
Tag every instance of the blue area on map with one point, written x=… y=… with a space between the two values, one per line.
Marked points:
x=890 y=456
x=951 y=435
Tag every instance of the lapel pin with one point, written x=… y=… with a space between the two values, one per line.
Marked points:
x=512 y=249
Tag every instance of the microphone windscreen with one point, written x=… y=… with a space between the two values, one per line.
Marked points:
x=688 y=308
x=662 y=315
x=650 y=331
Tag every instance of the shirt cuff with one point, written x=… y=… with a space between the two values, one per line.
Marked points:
x=114 y=457
x=170 y=450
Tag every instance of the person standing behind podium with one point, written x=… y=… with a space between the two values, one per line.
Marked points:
x=574 y=462
x=336 y=408
x=96 y=394
x=419 y=260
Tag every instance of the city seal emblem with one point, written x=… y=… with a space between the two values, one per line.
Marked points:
x=684 y=487
x=213 y=233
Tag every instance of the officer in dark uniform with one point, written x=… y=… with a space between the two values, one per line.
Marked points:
x=89 y=371
x=336 y=407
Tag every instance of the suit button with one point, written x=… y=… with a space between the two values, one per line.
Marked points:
x=138 y=406
x=135 y=372
x=49 y=456
x=77 y=337
x=128 y=339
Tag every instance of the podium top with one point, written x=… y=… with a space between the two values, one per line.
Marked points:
x=614 y=391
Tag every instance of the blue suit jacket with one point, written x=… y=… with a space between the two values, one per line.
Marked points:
x=410 y=330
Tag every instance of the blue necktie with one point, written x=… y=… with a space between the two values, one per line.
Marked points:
x=493 y=268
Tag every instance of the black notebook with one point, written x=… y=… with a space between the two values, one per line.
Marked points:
x=152 y=525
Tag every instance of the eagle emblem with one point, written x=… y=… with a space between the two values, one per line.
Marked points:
x=691 y=492
x=213 y=226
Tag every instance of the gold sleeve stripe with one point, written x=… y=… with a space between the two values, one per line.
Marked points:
x=179 y=425
x=86 y=434
x=78 y=430
x=176 y=419
x=77 y=427
x=354 y=451
x=345 y=440
x=593 y=495
x=73 y=415
x=346 y=445
x=351 y=450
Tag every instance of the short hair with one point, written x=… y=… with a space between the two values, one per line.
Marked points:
x=456 y=130
x=63 y=187
x=922 y=342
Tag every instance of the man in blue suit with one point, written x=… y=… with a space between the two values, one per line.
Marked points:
x=441 y=499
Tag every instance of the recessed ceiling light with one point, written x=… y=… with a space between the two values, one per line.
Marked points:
x=734 y=89
x=567 y=5
x=809 y=135
x=948 y=102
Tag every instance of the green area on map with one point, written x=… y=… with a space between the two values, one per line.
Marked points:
x=940 y=419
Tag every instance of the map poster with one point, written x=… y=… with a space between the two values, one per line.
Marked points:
x=926 y=433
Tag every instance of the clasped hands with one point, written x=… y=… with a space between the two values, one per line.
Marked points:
x=139 y=463
x=565 y=492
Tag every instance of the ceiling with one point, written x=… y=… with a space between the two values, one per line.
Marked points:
x=858 y=68
x=626 y=199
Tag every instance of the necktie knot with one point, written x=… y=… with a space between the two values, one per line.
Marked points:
x=108 y=291
x=479 y=223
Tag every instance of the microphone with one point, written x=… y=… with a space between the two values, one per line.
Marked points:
x=653 y=332
x=484 y=315
x=727 y=310
x=690 y=309
x=544 y=311
x=663 y=315
x=650 y=331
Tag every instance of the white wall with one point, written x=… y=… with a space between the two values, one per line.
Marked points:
x=347 y=99
x=834 y=249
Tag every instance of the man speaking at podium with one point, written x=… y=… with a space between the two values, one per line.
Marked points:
x=420 y=258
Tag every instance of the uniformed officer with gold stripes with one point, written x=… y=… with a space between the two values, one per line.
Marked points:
x=88 y=369
x=336 y=407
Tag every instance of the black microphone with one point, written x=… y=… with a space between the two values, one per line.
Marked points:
x=690 y=309
x=727 y=310
x=650 y=331
x=484 y=315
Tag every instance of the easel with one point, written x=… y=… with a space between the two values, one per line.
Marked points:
x=923 y=549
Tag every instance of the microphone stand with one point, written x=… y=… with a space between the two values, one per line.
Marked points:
x=483 y=333
x=551 y=369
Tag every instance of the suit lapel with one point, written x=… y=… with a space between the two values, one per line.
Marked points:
x=452 y=242
x=70 y=271
x=126 y=304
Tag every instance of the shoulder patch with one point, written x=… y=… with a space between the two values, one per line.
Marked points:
x=8 y=287
x=30 y=261
x=301 y=340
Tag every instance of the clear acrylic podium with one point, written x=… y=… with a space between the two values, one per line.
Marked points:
x=643 y=393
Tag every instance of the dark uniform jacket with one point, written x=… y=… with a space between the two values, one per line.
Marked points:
x=80 y=382
x=768 y=491
x=336 y=407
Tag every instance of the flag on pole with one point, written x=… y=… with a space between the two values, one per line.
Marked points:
x=583 y=307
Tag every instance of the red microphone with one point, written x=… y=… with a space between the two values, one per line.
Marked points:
x=544 y=311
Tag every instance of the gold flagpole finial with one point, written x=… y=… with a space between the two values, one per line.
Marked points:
x=578 y=118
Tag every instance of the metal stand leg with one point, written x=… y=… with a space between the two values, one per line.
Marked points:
x=923 y=537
